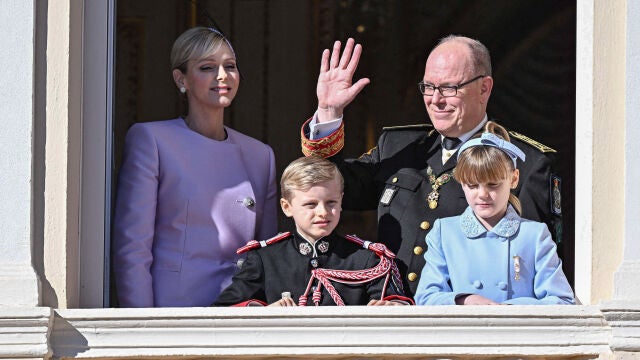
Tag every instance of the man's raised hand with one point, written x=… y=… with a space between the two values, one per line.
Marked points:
x=335 y=89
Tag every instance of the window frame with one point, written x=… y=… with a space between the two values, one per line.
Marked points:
x=97 y=157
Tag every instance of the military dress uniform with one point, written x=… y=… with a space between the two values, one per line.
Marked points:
x=285 y=264
x=399 y=177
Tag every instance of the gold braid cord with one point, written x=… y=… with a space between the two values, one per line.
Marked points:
x=325 y=147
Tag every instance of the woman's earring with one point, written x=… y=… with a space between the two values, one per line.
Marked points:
x=182 y=89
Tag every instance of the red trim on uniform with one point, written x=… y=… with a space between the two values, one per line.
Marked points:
x=326 y=146
x=334 y=139
x=254 y=244
x=401 y=298
x=313 y=146
x=248 y=302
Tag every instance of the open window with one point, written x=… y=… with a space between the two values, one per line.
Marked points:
x=533 y=48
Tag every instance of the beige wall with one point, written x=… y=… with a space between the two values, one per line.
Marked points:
x=608 y=145
x=62 y=153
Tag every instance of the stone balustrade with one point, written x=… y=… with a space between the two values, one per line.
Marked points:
x=460 y=332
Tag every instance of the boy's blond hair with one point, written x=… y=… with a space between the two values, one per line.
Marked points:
x=305 y=172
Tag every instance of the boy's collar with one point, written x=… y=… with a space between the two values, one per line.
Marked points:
x=306 y=247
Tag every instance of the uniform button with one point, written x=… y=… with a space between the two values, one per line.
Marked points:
x=412 y=276
x=394 y=180
x=418 y=250
x=477 y=284
x=425 y=225
x=502 y=285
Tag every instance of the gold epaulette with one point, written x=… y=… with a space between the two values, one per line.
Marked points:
x=542 y=147
x=325 y=147
x=408 y=127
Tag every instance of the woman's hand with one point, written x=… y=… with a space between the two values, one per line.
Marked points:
x=335 y=89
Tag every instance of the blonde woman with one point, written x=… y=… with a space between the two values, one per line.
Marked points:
x=191 y=190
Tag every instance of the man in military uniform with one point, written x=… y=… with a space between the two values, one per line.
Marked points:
x=408 y=175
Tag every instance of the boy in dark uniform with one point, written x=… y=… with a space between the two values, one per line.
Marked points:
x=314 y=265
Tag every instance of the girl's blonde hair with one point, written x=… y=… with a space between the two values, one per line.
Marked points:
x=305 y=172
x=485 y=164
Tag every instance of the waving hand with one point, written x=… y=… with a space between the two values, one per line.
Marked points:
x=335 y=89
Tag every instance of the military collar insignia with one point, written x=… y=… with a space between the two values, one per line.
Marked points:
x=305 y=248
x=506 y=227
x=323 y=246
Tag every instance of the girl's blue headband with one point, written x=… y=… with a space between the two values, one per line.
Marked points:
x=489 y=139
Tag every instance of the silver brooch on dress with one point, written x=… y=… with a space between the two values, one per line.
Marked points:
x=323 y=246
x=516 y=267
x=248 y=202
x=305 y=248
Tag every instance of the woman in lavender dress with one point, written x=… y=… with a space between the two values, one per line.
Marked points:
x=191 y=190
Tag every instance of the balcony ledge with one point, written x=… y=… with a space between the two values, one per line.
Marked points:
x=535 y=332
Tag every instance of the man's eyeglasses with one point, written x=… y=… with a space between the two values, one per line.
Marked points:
x=445 y=90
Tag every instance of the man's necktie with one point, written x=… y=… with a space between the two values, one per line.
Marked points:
x=450 y=143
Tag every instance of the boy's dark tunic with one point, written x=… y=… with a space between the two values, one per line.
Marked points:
x=286 y=265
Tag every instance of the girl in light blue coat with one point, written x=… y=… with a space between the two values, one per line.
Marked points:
x=489 y=255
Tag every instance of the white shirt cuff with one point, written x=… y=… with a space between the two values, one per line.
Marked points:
x=320 y=130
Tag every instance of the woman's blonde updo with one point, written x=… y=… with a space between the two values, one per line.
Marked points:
x=196 y=43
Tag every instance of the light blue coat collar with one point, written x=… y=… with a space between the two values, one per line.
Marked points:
x=506 y=227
